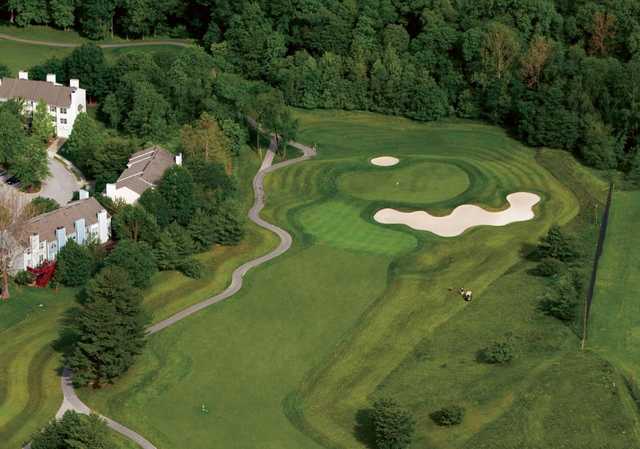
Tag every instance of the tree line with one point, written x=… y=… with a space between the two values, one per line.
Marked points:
x=556 y=73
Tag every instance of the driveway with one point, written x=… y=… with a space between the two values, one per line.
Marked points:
x=60 y=184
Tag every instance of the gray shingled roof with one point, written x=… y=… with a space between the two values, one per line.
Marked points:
x=35 y=91
x=145 y=169
x=46 y=224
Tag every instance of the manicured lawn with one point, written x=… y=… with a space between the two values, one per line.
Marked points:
x=409 y=182
x=45 y=33
x=18 y=56
x=357 y=310
x=29 y=384
x=614 y=330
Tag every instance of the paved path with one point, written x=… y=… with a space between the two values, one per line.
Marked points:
x=8 y=37
x=71 y=400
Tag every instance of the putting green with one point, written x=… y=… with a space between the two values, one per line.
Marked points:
x=339 y=224
x=413 y=181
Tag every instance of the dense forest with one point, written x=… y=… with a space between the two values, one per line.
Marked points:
x=556 y=73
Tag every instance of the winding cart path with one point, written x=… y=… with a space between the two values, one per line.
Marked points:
x=71 y=401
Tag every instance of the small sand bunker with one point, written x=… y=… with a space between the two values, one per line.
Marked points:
x=385 y=161
x=463 y=217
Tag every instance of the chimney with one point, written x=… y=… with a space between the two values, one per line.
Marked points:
x=179 y=159
x=74 y=83
x=51 y=78
x=110 y=191
x=23 y=75
x=80 y=231
x=61 y=237
x=83 y=194
x=103 y=226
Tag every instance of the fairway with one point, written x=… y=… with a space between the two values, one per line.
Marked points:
x=356 y=309
x=614 y=329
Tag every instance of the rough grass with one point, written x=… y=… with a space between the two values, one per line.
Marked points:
x=614 y=330
x=317 y=334
x=29 y=385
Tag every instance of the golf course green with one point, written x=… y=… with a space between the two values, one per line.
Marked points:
x=357 y=310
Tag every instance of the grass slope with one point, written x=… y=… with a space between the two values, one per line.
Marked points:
x=614 y=330
x=343 y=317
x=29 y=385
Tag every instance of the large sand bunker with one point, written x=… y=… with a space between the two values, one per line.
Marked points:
x=385 y=161
x=463 y=217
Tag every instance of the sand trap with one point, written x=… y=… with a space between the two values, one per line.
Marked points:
x=463 y=217
x=385 y=161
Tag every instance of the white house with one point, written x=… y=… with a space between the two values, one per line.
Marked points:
x=64 y=103
x=144 y=169
x=83 y=221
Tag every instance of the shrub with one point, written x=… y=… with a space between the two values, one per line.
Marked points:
x=560 y=300
x=549 y=267
x=191 y=268
x=496 y=353
x=24 y=278
x=136 y=258
x=448 y=416
x=41 y=205
x=394 y=425
x=557 y=245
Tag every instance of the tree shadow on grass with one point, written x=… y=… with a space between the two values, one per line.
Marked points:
x=363 y=429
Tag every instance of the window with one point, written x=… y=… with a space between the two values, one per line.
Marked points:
x=63 y=121
x=52 y=109
x=63 y=110
x=80 y=108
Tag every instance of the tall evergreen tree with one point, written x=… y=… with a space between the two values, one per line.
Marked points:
x=108 y=329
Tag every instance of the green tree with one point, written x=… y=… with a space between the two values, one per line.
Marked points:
x=148 y=115
x=227 y=224
x=88 y=64
x=96 y=17
x=166 y=252
x=200 y=230
x=557 y=245
x=62 y=13
x=42 y=127
x=135 y=223
x=176 y=189
x=253 y=43
x=74 y=431
x=74 y=265
x=136 y=258
x=30 y=164
x=599 y=148
x=85 y=140
x=206 y=141
x=108 y=329
x=4 y=71
x=394 y=426
x=12 y=136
